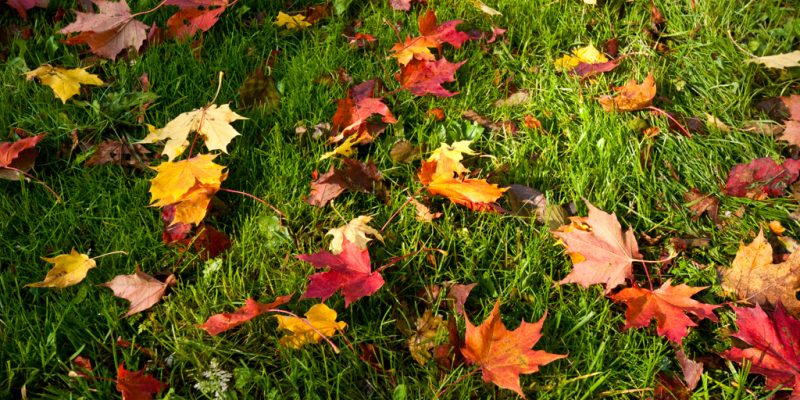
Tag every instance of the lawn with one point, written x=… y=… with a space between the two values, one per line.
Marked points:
x=581 y=152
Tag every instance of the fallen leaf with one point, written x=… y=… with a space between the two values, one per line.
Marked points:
x=532 y=122
x=762 y=128
x=219 y=323
x=212 y=123
x=423 y=212
x=588 y=70
x=423 y=340
x=417 y=48
x=587 y=54
x=485 y=9
x=349 y=271
x=189 y=185
x=528 y=202
x=19 y=155
x=345 y=149
x=302 y=331
x=404 y=152
x=700 y=203
x=64 y=82
x=776 y=227
x=503 y=355
x=136 y=385
x=692 y=370
x=515 y=99
x=353 y=113
x=631 y=96
x=773 y=352
x=716 y=123
x=357 y=177
x=433 y=36
x=459 y=293
x=404 y=5
x=668 y=305
x=355 y=232
x=761 y=178
x=779 y=61
x=22 y=6
x=141 y=290
x=259 y=90
x=753 y=277
x=426 y=77
x=109 y=31
x=291 y=22
x=601 y=252
x=119 y=153
x=194 y=15
x=453 y=151
x=69 y=269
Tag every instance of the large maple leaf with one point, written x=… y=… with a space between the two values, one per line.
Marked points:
x=64 y=82
x=349 y=271
x=136 y=385
x=219 y=323
x=754 y=278
x=762 y=178
x=194 y=15
x=352 y=113
x=109 y=31
x=775 y=346
x=668 y=305
x=212 y=123
x=631 y=96
x=503 y=355
x=423 y=77
x=600 y=251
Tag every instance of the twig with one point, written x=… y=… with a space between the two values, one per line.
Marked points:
x=408 y=200
x=282 y=215
x=681 y=128
x=150 y=10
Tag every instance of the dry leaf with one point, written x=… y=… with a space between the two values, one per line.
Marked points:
x=142 y=290
x=631 y=96
x=68 y=270
x=779 y=61
x=64 y=82
x=355 y=231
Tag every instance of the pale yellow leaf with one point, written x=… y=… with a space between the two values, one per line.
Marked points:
x=453 y=151
x=64 y=82
x=356 y=232
x=779 y=61
x=68 y=270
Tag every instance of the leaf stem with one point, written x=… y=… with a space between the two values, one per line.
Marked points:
x=395 y=260
x=282 y=215
x=37 y=180
x=219 y=86
x=150 y=10
x=307 y=322
x=408 y=200
x=681 y=128
x=109 y=254
x=459 y=380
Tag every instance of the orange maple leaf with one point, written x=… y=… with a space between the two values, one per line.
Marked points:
x=189 y=185
x=668 y=305
x=631 y=96
x=502 y=354
x=603 y=254
x=414 y=48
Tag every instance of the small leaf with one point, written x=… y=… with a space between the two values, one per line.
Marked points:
x=136 y=385
x=319 y=316
x=140 y=289
x=779 y=61
x=69 y=269
x=219 y=323
x=355 y=232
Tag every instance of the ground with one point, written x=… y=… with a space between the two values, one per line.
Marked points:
x=586 y=153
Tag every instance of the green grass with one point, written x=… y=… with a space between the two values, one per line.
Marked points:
x=587 y=154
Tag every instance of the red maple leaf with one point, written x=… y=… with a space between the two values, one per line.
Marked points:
x=423 y=77
x=194 y=15
x=600 y=251
x=18 y=156
x=357 y=177
x=136 y=385
x=352 y=113
x=349 y=271
x=762 y=178
x=503 y=355
x=775 y=346
x=668 y=305
x=22 y=6
x=109 y=31
x=443 y=33
x=219 y=323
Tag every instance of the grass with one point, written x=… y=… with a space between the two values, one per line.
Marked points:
x=587 y=154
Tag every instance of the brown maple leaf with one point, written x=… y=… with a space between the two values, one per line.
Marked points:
x=753 y=277
x=668 y=305
x=142 y=290
x=600 y=251
x=503 y=355
x=631 y=96
x=700 y=203
x=109 y=31
x=120 y=153
x=357 y=177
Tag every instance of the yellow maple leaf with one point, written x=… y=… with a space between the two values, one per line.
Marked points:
x=297 y=21
x=418 y=47
x=64 y=82
x=322 y=318
x=68 y=270
x=213 y=123
x=345 y=149
x=355 y=231
x=588 y=54
x=174 y=180
x=192 y=208
x=453 y=151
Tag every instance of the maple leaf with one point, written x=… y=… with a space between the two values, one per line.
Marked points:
x=453 y=151
x=779 y=61
x=503 y=355
x=433 y=36
x=357 y=177
x=600 y=251
x=352 y=113
x=211 y=122
x=136 y=385
x=423 y=340
x=459 y=293
x=259 y=90
x=194 y=15
x=69 y=269
x=404 y=5
x=423 y=77
x=219 y=323
x=109 y=31
x=668 y=305
x=754 y=278
x=587 y=70
x=417 y=48
x=64 y=82
x=631 y=96
x=761 y=178
x=302 y=331
x=140 y=289
x=349 y=271
x=291 y=22
x=700 y=204
x=22 y=6
x=587 y=55
x=119 y=153
x=423 y=212
x=692 y=370
x=19 y=155
x=189 y=185
x=791 y=130
x=355 y=232
x=774 y=346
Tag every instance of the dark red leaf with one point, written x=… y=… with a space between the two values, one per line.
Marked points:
x=427 y=77
x=761 y=178
x=136 y=385
x=219 y=323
